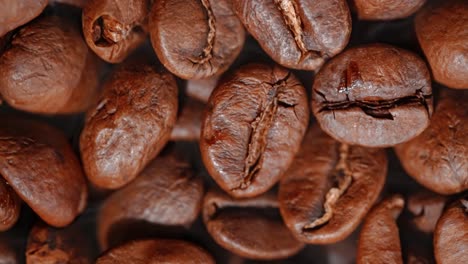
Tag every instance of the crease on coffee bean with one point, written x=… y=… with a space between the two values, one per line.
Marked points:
x=377 y=108
x=108 y=31
x=260 y=127
x=207 y=53
x=344 y=176
x=292 y=19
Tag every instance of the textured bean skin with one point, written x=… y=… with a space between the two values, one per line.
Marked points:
x=442 y=35
x=196 y=39
x=10 y=206
x=307 y=185
x=129 y=125
x=115 y=28
x=298 y=34
x=438 y=158
x=49 y=69
x=374 y=95
x=252 y=128
x=18 y=12
x=54 y=246
x=451 y=234
x=240 y=227
x=40 y=166
x=166 y=193
x=387 y=9
x=379 y=241
x=155 y=252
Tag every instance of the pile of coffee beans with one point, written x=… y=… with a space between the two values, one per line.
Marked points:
x=233 y=131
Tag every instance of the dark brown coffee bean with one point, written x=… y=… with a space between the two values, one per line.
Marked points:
x=379 y=241
x=114 y=28
x=188 y=125
x=252 y=128
x=48 y=68
x=451 y=234
x=329 y=188
x=374 y=95
x=19 y=12
x=438 y=158
x=201 y=89
x=251 y=228
x=441 y=31
x=129 y=125
x=196 y=39
x=425 y=208
x=10 y=206
x=9 y=254
x=386 y=9
x=298 y=34
x=156 y=252
x=40 y=166
x=48 y=245
x=166 y=194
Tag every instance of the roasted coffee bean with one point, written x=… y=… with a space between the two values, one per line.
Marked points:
x=40 y=166
x=129 y=125
x=252 y=128
x=386 y=9
x=451 y=234
x=114 y=28
x=48 y=245
x=47 y=68
x=18 y=12
x=9 y=254
x=10 y=206
x=438 y=158
x=188 y=125
x=201 y=89
x=251 y=228
x=375 y=95
x=298 y=34
x=155 y=252
x=196 y=39
x=425 y=208
x=442 y=34
x=379 y=241
x=166 y=195
x=329 y=188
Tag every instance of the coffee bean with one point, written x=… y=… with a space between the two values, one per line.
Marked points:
x=10 y=206
x=375 y=95
x=425 y=208
x=451 y=234
x=67 y=245
x=298 y=34
x=188 y=125
x=438 y=158
x=196 y=39
x=252 y=128
x=129 y=125
x=156 y=251
x=165 y=195
x=9 y=253
x=114 y=28
x=386 y=10
x=441 y=31
x=379 y=241
x=19 y=12
x=47 y=68
x=39 y=165
x=329 y=188
x=251 y=228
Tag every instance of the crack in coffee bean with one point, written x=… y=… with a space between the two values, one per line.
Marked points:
x=289 y=12
x=207 y=52
x=378 y=108
x=350 y=79
x=108 y=31
x=344 y=178
x=258 y=136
